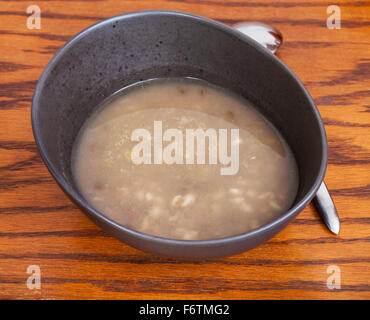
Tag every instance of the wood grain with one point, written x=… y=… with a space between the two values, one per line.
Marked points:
x=40 y=226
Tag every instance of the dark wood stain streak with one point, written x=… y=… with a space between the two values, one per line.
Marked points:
x=64 y=233
x=46 y=50
x=366 y=109
x=14 y=103
x=18 y=145
x=215 y=285
x=308 y=44
x=47 y=36
x=11 y=67
x=22 y=165
x=51 y=49
x=352 y=192
x=20 y=89
x=145 y=259
x=274 y=4
x=306 y=221
x=342 y=99
x=355 y=220
x=318 y=221
x=330 y=122
x=360 y=73
x=6 y=183
x=34 y=209
x=342 y=152
x=318 y=44
x=50 y=1
x=333 y=239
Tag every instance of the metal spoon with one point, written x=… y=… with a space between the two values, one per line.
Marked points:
x=271 y=39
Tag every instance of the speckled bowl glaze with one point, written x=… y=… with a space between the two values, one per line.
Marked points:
x=128 y=48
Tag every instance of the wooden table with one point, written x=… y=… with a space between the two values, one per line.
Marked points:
x=40 y=226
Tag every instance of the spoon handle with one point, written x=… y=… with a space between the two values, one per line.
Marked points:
x=326 y=208
x=271 y=39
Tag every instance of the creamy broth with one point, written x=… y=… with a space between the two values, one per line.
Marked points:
x=183 y=201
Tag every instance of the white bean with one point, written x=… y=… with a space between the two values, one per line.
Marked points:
x=182 y=201
x=234 y=191
x=148 y=196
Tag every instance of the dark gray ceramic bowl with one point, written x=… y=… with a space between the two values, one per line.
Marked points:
x=128 y=48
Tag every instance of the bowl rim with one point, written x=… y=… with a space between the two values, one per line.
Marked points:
x=80 y=201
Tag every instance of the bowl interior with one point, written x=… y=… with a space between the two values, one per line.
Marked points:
x=130 y=48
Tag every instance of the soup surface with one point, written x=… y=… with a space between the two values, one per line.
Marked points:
x=189 y=201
